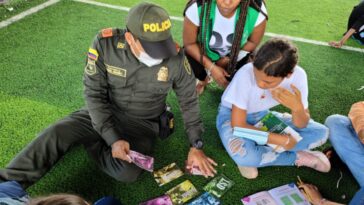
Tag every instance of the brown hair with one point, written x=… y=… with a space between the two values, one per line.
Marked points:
x=58 y=199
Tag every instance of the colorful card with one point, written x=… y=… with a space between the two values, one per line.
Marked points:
x=183 y=192
x=162 y=200
x=219 y=186
x=205 y=199
x=142 y=161
x=167 y=174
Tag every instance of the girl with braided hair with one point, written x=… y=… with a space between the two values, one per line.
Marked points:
x=218 y=36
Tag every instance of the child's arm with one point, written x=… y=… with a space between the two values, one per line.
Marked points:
x=300 y=116
x=238 y=119
x=356 y=116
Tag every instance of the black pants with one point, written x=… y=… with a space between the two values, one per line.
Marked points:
x=38 y=157
x=200 y=72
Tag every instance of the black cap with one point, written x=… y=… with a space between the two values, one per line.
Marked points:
x=151 y=24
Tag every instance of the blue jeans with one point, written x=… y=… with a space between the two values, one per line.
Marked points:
x=358 y=198
x=250 y=154
x=347 y=145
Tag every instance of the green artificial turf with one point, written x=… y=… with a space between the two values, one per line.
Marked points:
x=324 y=20
x=17 y=6
x=42 y=63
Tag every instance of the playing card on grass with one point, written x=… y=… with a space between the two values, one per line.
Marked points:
x=142 y=161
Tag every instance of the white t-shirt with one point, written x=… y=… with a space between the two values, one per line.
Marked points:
x=244 y=93
x=223 y=29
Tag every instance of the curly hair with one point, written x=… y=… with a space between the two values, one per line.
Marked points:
x=277 y=57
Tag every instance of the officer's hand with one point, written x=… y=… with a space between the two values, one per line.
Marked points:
x=120 y=150
x=219 y=74
x=197 y=158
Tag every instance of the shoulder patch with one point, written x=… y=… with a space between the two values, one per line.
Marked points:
x=90 y=68
x=187 y=66
x=107 y=32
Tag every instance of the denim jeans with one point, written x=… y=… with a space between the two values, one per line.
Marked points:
x=347 y=145
x=349 y=148
x=358 y=198
x=250 y=154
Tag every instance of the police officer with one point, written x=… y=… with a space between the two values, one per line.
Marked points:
x=127 y=78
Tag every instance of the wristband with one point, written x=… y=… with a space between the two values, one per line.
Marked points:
x=211 y=67
x=259 y=137
x=287 y=141
x=208 y=71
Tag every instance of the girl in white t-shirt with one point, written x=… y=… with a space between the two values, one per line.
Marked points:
x=272 y=79
x=218 y=35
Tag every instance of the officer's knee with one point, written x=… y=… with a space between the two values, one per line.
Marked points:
x=61 y=132
x=54 y=131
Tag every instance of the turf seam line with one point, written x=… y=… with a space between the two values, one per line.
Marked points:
x=28 y=12
x=298 y=39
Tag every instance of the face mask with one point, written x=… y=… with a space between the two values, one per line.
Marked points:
x=147 y=60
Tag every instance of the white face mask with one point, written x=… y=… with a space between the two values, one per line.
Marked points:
x=147 y=60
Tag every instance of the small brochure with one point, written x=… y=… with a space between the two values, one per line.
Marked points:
x=287 y=194
x=162 y=200
x=205 y=199
x=219 y=186
x=183 y=192
x=142 y=161
x=167 y=174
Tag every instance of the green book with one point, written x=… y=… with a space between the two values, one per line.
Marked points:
x=219 y=186
x=271 y=123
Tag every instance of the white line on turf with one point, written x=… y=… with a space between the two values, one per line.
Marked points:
x=26 y=13
x=51 y=2
x=298 y=39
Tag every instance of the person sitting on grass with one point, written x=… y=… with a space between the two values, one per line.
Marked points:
x=128 y=75
x=217 y=47
x=11 y=193
x=347 y=138
x=355 y=27
x=272 y=79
